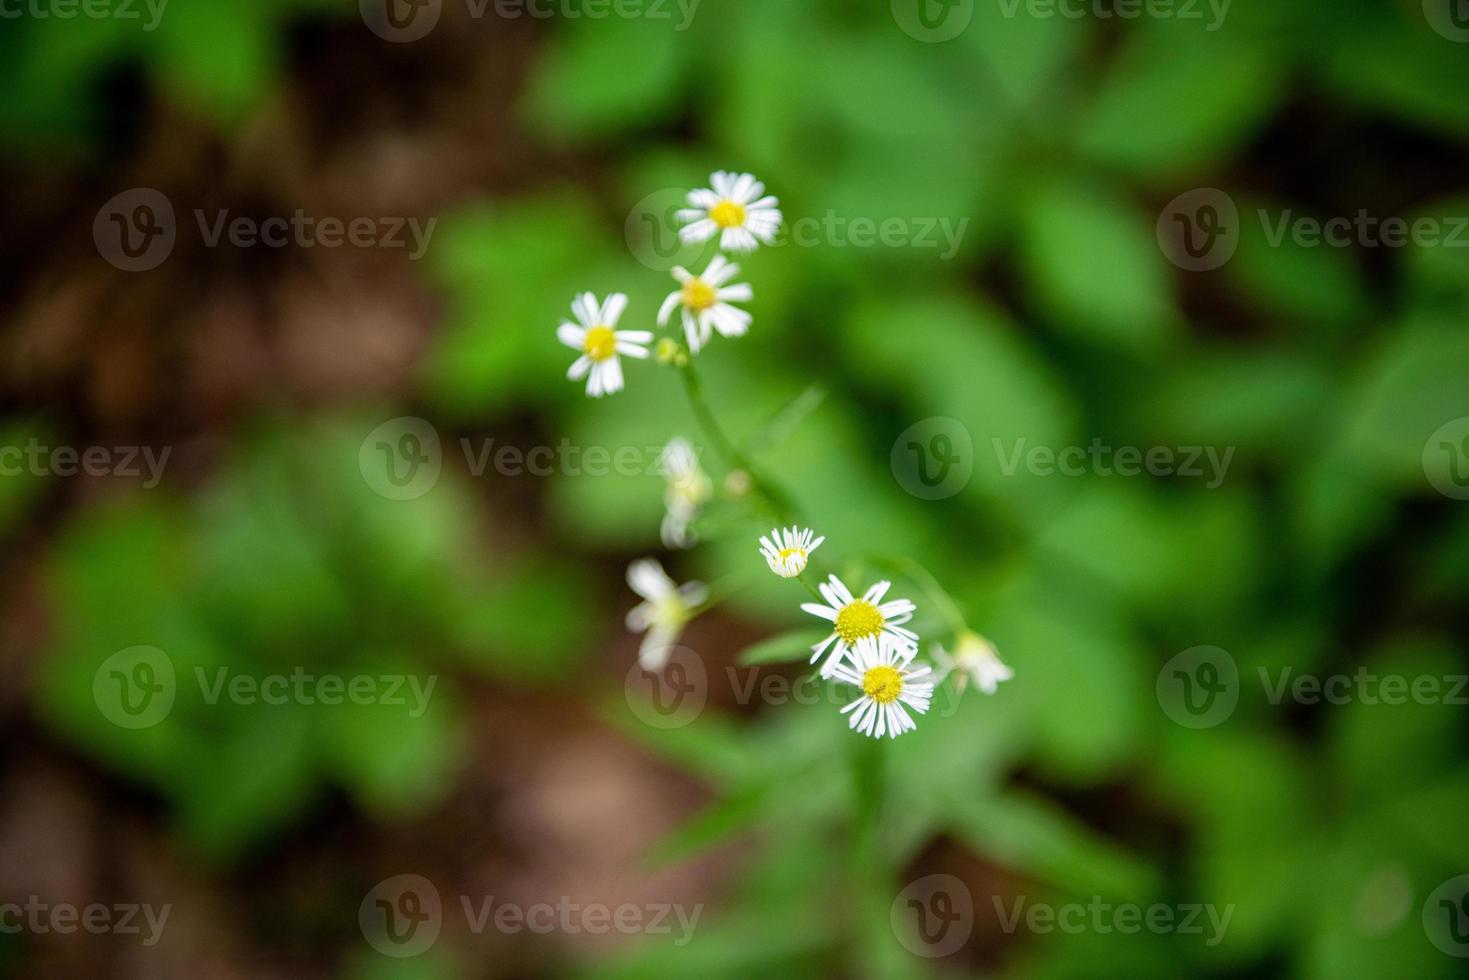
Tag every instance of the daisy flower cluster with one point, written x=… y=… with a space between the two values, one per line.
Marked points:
x=736 y=209
x=870 y=645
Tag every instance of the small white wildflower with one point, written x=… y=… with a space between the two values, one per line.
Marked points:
x=975 y=658
x=688 y=489
x=882 y=667
x=734 y=210
x=600 y=343
x=663 y=613
x=787 y=550
x=705 y=300
x=855 y=619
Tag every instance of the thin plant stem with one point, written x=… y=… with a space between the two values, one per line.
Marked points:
x=772 y=497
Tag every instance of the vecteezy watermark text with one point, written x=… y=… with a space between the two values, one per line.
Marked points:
x=63 y=918
x=402 y=459
x=136 y=230
x=403 y=21
x=1103 y=460
x=300 y=687
x=652 y=232
x=1102 y=917
x=137 y=688
x=1200 y=687
x=125 y=461
x=1213 y=10
x=86 y=9
x=403 y=915
x=1200 y=230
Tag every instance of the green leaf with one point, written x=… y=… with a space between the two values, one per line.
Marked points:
x=788 y=647
x=1094 y=266
x=1169 y=107
x=1026 y=833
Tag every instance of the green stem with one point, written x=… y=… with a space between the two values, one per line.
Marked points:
x=869 y=778
x=773 y=498
x=811 y=589
x=925 y=579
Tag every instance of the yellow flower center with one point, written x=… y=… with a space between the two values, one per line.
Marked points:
x=786 y=553
x=601 y=343
x=882 y=684
x=858 y=619
x=698 y=295
x=727 y=214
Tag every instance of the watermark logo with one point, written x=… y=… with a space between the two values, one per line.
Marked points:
x=401 y=916
x=1199 y=688
x=135 y=688
x=135 y=231
x=1450 y=18
x=651 y=232
x=671 y=697
x=933 y=21
x=1199 y=230
x=400 y=21
x=402 y=458
x=1446 y=916
x=933 y=459
x=1446 y=459
x=933 y=916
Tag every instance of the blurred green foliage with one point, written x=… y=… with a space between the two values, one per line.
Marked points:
x=1058 y=321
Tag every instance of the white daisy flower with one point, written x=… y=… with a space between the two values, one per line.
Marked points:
x=734 y=209
x=975 y=659
x=705 y=300
x=600 y=342
x=881 y=667
x=787 y=550
x=689 y=488
x=663 y=614
x=855 y=619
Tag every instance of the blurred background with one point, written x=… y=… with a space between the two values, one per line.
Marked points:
x=230 y=456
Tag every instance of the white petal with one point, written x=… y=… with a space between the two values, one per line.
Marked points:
x=571 y=336
x=741 y=293
x=612 y=309
x=585 y=308
x=611 y=375
x=817 y=609
x=579 y=368
x=737 y=240
x=699 y=231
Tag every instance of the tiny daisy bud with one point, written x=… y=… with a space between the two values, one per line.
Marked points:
x=881 y=667
x=667 y=350
x=663 y=613
x=787 y=550
x=974 y=658
x=596 y=337
x=735 y=210
x=737 y=483
x=855 y=619
x=688 y=489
